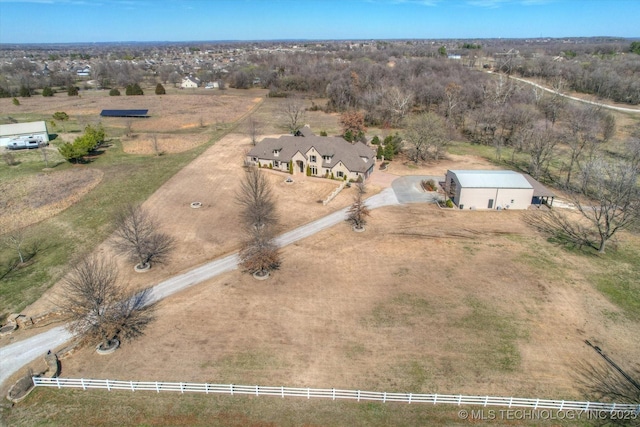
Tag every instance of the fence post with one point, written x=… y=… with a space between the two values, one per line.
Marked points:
x=131 y=383
x=435 y=398
x=308 y=393
x=206 y=388
x=537 y=402
x=108 y=388
x=257 y=392
x=231 y=387
x=282 y=391
x=181 y=388
x=157 y=387
x=333 y=393
x=486 y=399
x=82 y=382
x=587 y=407
x=358 y=395
x=384 y=397
x=459 y=399
x=561 y=405
x=58 y=382
x=409 y=398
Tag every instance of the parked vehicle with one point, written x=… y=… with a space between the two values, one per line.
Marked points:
x=21 y=144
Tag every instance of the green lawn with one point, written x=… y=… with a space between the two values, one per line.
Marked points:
x=99 y=407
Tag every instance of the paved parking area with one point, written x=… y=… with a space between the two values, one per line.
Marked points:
x=409 y=190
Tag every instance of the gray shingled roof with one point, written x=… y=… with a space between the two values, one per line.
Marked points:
x=340 y=150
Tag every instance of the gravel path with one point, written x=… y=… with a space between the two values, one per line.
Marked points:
x=16 y=355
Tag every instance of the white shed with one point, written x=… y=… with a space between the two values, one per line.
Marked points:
x=30 y=130
x=488 y=189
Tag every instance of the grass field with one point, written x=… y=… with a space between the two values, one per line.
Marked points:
x=102 y=408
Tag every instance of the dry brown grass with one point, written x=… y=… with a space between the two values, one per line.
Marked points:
x=38 y=197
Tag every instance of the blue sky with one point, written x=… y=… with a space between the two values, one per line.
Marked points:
x=69 y=21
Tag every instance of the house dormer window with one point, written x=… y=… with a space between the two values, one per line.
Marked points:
x=326 y=159
x=276 y=152
x=364 y=159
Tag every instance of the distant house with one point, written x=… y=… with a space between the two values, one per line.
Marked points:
x=23 y=131
x=84 y=72
x=190 y=82
x=322 y=156
x=494 y=189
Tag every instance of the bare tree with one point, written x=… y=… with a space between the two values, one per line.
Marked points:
x=257 y=200
x=609 y=203
x=259 y=254
x=154 y=145
x=613 y=198
x=101 y=310
x=541 y=147
x=15 y=240
x=426 y=136
x=294 y=113
x=253 y=129
x=137 y=237
x=583 y=128
x=128 y=128
x=45 y=153
x=358 y=211
x=602 y=383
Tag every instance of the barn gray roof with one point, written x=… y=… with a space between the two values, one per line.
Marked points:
x=351 y=155
x=23 y=128
x=491 y=179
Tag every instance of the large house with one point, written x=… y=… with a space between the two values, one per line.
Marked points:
x=13 y=132
x=320 y=156
x=494 y=189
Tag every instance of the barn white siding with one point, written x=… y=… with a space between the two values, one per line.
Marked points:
x=488 y=189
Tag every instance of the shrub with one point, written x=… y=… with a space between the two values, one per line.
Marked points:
x=291 y=167
x=114 y=92
x=449 y=203
x=379 y=152
x=47 y=91
x=72 y=91
x=25 y=92
x=160 y=89
x=15 y=101
x=134 y=89
x=308 y=171
x=323 y=133
x=375 y=140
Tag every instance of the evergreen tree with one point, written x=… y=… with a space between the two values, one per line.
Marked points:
x=160 y=89
x=72 y=91
x=47 y=91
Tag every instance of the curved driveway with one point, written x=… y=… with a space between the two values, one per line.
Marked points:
x=18 y=354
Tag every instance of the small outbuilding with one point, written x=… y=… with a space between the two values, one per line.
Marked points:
x=489 y=189
x=32 y=131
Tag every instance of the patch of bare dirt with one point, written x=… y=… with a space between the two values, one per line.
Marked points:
x=163 y=143
x=43 y=195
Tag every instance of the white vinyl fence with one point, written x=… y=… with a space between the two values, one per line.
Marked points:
x=358 y=395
